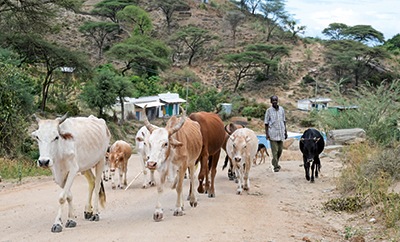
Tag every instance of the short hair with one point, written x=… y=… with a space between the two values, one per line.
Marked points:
x=273 y=97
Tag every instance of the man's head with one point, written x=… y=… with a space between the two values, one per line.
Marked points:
x=274 y=101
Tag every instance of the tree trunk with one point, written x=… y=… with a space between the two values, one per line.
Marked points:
x=45 y=90
x=121 y=100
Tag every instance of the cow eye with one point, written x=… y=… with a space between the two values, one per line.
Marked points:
x=56 y=138
x=36 y=137
x=165 y=144
x=245 y=147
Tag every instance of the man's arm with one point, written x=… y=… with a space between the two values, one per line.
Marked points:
x=266 y=132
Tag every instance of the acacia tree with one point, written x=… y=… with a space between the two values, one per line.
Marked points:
x=364 y=33
x=27 y=16
x=53 y=57
x=136 y=57
x=274 y=14
x=272 y=52
x=335 y=31
x=244 y=64
x=352 y=58
x=294 y=28
x=168 y=7
x=98 y=31
x=110 y=8
x=194 y=38
x=137 y=17
x=234 y=19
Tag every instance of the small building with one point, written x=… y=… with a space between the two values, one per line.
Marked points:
x=317 y=103
x=162 y=105
x=226 y=107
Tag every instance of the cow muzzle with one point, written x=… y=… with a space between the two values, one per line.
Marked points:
x=44 y=163
x=310 y=160
x=151 y=165
x=237 y=159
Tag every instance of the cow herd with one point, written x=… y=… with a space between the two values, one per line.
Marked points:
x=69 y=146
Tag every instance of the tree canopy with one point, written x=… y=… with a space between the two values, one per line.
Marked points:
x=335 y=31
x=364 y=33
x=194 y=38
x=137 y=17
x=274 y=14
x=110 y=8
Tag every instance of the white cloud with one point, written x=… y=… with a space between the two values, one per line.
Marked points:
x=318 y=14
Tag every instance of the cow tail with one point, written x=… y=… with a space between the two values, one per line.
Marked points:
x=225 y=163
x=102 y=195
x=319 y=167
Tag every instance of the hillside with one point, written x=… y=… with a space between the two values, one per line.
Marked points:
x=208 y=66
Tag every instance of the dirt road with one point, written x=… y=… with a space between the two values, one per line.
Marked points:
x=279 y=207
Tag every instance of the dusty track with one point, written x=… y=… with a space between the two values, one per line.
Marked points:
x=279 y=207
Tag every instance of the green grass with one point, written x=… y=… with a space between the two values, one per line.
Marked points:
x=18 y=169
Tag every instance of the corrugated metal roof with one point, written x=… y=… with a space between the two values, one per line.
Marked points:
x=173 y=100
x=150 y=104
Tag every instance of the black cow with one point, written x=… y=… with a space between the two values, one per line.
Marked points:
x=311 y=145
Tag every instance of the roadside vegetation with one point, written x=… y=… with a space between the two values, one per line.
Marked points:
x=123 y=49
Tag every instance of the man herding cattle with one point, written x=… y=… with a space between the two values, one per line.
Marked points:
x=172 y=150
x=120 y=152
x=311 y=145
x=275 y=130
x=69 y=146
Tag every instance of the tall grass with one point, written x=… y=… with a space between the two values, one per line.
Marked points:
x=18 y=169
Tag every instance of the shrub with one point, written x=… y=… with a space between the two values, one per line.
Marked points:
x=308 y=79
x=203 y=6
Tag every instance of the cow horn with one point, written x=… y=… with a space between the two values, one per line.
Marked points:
x=36 y=117
x=179 y=125
x=227 y=130
x=146 y=121
x=62 y=119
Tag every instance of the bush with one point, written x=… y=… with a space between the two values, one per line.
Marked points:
x=203 y=6
x=308 y=79
x=62 y=108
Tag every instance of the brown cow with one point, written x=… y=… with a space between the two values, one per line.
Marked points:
x=120 y=152
x=213 y=132
x=172 y=150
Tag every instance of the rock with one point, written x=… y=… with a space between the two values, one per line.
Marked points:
x=345 y=136
x=305 y=238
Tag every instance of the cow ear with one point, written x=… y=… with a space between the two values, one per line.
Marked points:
x=316 y=140
x=175 y=143
x=66 y=136
x=34 y=135
x=140 y=139
x=302 y=140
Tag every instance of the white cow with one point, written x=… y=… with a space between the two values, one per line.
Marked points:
x=172 y=150
x=69 y=146
x=141 y=148
x=242 y=149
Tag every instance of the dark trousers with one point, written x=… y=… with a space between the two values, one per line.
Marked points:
x=276 y=148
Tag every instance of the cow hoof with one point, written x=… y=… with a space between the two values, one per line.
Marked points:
x=158 y=216
x=57 y=228
x=238 y=192
x=144 y=186
x=87 y=215
x=152 y=183
x=122 y=187
x=246 y=188
x=231 y=178
x=316 y=175
x=200 y=189
x=178 y=212
x=308 y=178
x=312 y=181
x=70 y=223
x=113 y=187
x=211 y=195
x=95 y=217
x=105 y=179
x=193 y=204
x=236 y=180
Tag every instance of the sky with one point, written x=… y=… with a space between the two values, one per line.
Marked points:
x=382 y=15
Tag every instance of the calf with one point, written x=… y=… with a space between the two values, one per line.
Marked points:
x=311 y=145
x=119 y=154
x=141 y=148
x=242 y=148
x=106 y=170
x=229 y=130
